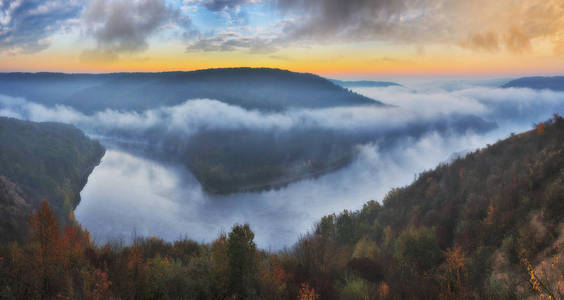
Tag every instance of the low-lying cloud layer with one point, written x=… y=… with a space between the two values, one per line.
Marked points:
x=126 y=190
x=129 y=193
x=408 y=108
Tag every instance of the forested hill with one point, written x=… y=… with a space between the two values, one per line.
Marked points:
x=555 y=83
x=41 y=161
x=489 y=225
x=364 y=83
x=251 y=88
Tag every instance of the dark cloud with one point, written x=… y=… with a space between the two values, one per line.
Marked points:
x=354 y=19
x=124 y=26
x=25 y=25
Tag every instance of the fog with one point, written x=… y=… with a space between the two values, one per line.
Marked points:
x=133 y=191
x=407 y=107
x=130 y=194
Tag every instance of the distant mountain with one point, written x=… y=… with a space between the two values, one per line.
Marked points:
x=251 y=88
x=555 y=83
x=41 y=161
x=228 y=160
x=364 y=83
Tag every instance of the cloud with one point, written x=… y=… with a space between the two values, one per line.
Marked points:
x=487 y=41
x=262 y=40
x=559 y=48
x=125 y=26
x=232 y=10
x=198 y=115
x=409 y=108
x=26 y=25
x=517 y=41
x=471 y=24
x=222 y=5
x=230 y=41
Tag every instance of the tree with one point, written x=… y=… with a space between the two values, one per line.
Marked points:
x=307 y=293
x=220 y=266
x=417 y=249
x=242 y=255
x=345 y=228
x=46 y=255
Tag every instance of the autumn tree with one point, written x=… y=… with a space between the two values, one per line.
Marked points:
x=273 y=279
x=136 y=270
x=46 y=257
x=220 y=266
x=453 y=275
x=307 y=293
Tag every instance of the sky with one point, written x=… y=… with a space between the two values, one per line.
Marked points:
x=343 y=39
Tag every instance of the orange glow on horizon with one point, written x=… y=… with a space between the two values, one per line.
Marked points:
x=348 y=62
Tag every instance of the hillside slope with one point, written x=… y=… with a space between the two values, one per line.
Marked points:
x=363 y=83
x=251 y=88
x=486 y=226
x=41 y=161
x=466 y=230
x=224 y=155
x=555 y=83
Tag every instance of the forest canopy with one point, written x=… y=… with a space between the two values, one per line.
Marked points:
x=485 y=226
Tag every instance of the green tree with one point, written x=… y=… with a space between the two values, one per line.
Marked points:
x=242 y=255
x=417 y=249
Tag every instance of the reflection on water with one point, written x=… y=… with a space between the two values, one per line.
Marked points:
x=128 y=193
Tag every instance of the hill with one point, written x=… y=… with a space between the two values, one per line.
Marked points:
x=41 y=161
x=251 y=88
x=489 y=225
x=364 y=83
x=555 y=83
x=224 y=160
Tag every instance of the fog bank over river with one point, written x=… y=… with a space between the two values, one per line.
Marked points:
x=130 y=193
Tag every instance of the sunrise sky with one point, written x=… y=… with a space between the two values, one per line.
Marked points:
x=348 y=39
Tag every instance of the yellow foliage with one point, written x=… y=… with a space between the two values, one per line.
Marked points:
x=365 y=247
x=307 y=293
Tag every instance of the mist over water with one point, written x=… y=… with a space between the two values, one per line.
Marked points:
x=131 y=192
